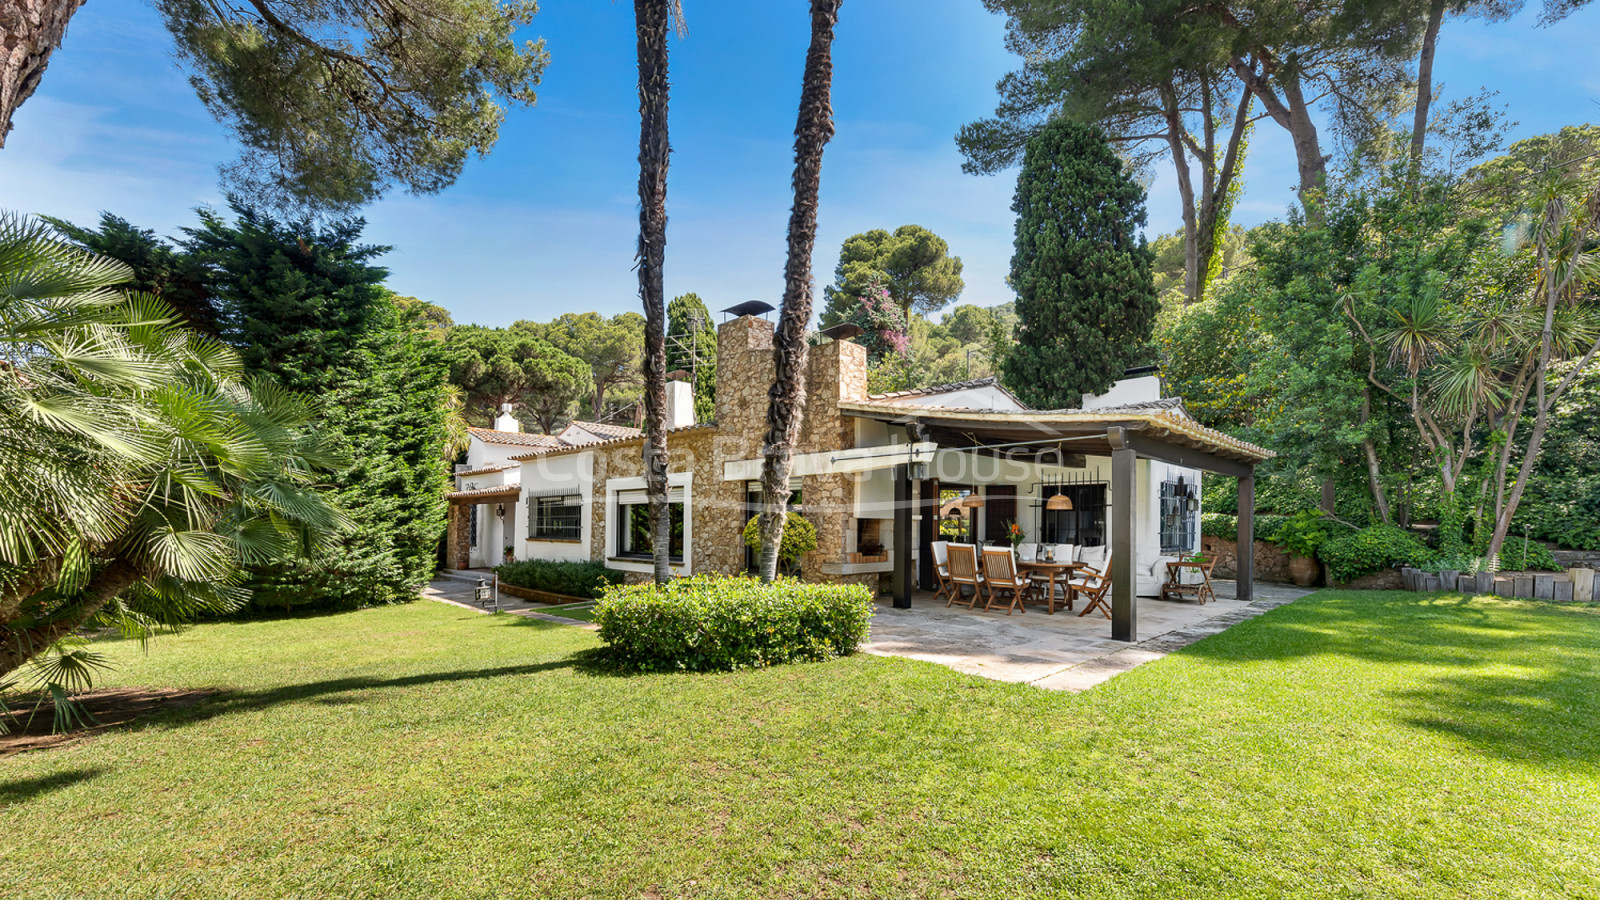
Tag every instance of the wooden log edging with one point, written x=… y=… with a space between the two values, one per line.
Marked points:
x=1575 y=585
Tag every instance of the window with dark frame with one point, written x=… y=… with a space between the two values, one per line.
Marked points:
x=634 y=539
x=1177 y=522
x=556 y=517
x=1083 y=524
x=472 y=523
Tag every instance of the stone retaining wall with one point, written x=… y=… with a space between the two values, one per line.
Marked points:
x=1272 y=564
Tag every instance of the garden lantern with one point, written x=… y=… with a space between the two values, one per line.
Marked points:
x=481 y=592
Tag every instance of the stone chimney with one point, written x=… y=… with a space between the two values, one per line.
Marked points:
x=680 y=404
x=744 y=375
x=506 y=421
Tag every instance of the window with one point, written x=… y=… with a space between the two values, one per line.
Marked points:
x=752 y=508
x=1084 y=523
x=555 y=517
x=1177 y=522
x=472 y=523
x=633 y=523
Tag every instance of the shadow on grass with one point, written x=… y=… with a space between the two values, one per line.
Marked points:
x=337 y=691
x=24 y=789
x=1539 y=711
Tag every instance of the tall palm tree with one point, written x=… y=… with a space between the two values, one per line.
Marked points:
x=786 y=400
x=652 y=20
x=138 y=470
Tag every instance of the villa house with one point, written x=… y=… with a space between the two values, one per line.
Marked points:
x=881 y=476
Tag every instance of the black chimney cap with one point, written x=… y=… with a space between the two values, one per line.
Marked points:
x=750 y=308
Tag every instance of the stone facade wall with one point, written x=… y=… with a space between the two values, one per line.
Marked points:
x=458 y=541
x=716 y=507
x=835 y=371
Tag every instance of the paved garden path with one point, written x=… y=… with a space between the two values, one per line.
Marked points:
x=1058 y=652
x=458 y=591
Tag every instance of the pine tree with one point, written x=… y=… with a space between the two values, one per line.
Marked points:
x=1086 y=299
x=305 y=305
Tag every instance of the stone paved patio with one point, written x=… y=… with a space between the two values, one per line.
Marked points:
x=1058 y=652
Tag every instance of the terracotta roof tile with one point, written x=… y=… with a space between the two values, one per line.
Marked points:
x=517 y=438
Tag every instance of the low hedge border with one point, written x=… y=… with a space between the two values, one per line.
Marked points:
x=568 y=578
x=709 y=623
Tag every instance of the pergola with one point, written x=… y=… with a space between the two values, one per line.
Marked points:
x=1161 y=430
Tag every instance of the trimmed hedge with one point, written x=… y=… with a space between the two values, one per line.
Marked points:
x=1222 y=525
x=575 y=579
x=1372 y=549
x=709 y=623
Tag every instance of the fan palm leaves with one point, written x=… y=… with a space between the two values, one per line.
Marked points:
x=139 y=468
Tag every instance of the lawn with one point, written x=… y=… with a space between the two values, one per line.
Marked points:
x=1348 y=745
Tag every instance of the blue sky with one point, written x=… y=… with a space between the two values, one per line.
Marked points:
x=547 y=224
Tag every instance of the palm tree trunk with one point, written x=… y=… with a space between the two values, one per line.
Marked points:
x=18 y=645
x=30 y=30
x=787 y=398
x=651 y=23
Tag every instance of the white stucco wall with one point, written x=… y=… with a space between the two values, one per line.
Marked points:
x=985 y=397
x=567 y=471
x=1129 y=390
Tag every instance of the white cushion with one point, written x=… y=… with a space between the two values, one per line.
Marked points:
x=1159 y=567
x=1092 y=556
x=1027 y=552
x=941 y=553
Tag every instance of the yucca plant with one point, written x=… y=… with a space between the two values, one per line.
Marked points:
x=139 y=468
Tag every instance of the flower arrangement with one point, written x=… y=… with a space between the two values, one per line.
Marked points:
x=1015 y=533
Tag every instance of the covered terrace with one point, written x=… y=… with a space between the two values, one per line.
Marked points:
x=1060 y=439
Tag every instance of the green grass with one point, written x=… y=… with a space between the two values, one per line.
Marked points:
x=1348 y=745
x=582 y=612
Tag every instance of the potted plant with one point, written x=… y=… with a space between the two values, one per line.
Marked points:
x=1300 y=537
x=1015 y=533
x=510 y=553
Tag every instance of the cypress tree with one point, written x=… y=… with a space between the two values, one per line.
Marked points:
x=306 y=307
x=1086 y=298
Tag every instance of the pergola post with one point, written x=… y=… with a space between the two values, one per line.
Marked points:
x=1124 y=485
x=902 y=537
x=927 y=531
x=1246 y=538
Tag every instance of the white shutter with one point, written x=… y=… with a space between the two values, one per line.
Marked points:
x=639 y=496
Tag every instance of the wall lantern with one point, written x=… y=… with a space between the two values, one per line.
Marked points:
x=1059 y=501
x=918 y=471
x=1192 y=504
x=500 y=510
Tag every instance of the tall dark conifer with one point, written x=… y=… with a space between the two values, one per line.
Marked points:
x=1086 y=297
x=306 y=307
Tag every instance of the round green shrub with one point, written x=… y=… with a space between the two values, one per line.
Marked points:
x=1372 y=549
x=711 y=623
x=799 y=537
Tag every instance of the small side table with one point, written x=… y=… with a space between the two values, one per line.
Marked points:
x=1175 y=589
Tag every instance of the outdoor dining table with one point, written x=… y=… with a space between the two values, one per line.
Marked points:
x=1063 y=570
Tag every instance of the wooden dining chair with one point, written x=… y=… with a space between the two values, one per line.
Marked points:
x=964 y=573
x=1000 y=570
x=941 y=572
x=1094 y=584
